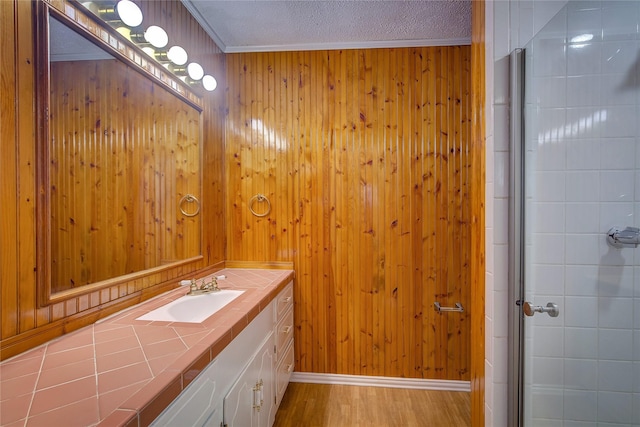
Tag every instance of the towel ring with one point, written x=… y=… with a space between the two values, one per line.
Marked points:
x=259 y=198
x=189 y=198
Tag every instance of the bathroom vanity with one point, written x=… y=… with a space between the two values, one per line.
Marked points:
x=232 y=367
x=244 y=384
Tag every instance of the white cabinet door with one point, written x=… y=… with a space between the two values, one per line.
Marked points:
x=216 y=418
x=251 y=400
x=195 y=407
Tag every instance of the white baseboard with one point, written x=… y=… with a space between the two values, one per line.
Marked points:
x=392 y=382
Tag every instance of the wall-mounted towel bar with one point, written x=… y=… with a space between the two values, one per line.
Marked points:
x=440 y=309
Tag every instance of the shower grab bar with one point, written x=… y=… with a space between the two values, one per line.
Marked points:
x=458 y=308
x=627 y=238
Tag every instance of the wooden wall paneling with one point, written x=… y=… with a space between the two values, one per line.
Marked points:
x=27 y=130
x=378 y=202
x=9 y=275
x=344 y=335
x=389 y=256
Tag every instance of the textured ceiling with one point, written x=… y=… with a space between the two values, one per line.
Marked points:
x=270 y=25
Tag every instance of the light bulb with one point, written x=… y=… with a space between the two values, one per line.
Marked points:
x=129 y=13
x=195 y=71
x=156 y=36
x=177 y=55
x=209 y=83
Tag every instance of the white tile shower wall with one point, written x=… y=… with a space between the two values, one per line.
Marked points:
x=508 y=24
x=587 y=97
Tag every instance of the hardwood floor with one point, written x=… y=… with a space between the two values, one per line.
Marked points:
x=316 y=405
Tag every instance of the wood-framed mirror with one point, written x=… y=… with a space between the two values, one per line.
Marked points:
x=119 y=160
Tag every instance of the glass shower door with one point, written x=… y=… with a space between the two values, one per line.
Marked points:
x=578 y=296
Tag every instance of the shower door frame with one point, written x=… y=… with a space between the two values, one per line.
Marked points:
x=516 y=232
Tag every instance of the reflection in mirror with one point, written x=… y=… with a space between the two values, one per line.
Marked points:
x=124 y=167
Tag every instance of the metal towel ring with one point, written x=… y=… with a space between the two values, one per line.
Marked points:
x=189 y=198
x=259 y=198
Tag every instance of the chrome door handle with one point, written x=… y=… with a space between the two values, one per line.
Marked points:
x=551 y=309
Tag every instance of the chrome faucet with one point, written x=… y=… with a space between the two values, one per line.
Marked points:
x=204 y=287
x=627 y=238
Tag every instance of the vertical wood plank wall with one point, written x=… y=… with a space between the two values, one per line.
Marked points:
x=24 y=324
x=365 y=158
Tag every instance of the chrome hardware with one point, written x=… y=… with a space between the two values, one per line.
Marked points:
x=204 y=288
x=627 y=238
x=551 y=309
x=458 y=308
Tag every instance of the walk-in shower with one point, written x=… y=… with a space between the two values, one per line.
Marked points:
x=575 y=214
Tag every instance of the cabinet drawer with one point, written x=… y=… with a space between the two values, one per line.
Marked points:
x=284 y=301
x=283 y=372
x=284 y=332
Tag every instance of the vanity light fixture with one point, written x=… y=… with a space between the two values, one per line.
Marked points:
x=154 y=35
x=209 y=83
x=125 y=10
x=152 y=41
x=195 y=71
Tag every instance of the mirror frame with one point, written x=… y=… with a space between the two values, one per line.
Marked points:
x=99 y=33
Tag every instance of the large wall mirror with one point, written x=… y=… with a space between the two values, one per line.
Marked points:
x=120 y=167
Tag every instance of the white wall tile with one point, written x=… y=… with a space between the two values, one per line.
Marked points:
x=549 y=340
x=501 y=262
x=620 y=121
x=615 y=344
x=619 y=57
x=618 y=153
x=615 y=407
x=582 y=249
x=584 y=58
x=619 y=20
x=580 y=405
x=581 y=343
x=548 y=371
x=550 y=218
x=583 y=186
x=615 y=376
x=549 y=249
x=615 y=313
x=617 y=186
x=581 y=312
x=550 y=187
x=582 y=218
x=583 y=154
x=501 y=129
x=501 y=174
x=584 y=90
x=619 y=215
x=547 y=403
x=580 y=374
x=549 y=279
x=615 y=281
x=582 y=280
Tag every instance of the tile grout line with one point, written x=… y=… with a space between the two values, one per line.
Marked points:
x=146 y=358
x=95 y=370
x=35 y=385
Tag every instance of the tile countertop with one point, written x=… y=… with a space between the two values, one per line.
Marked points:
x=124 y=372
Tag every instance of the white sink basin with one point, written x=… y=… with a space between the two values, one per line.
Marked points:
x=192 y=308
